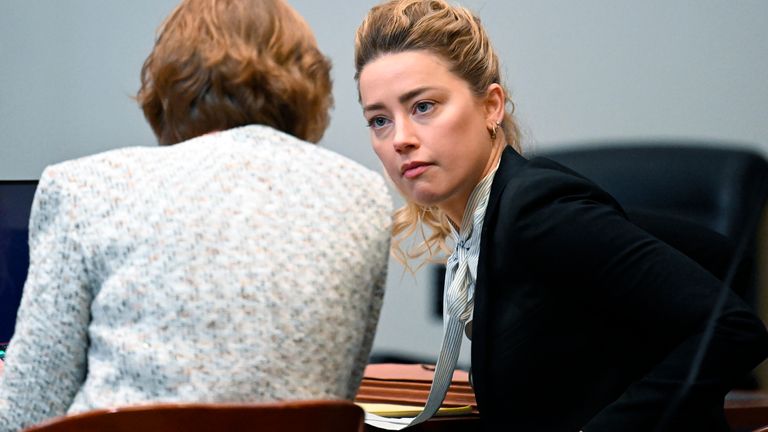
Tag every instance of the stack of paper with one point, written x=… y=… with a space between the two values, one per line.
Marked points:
x=394 y=410
x=405 y=384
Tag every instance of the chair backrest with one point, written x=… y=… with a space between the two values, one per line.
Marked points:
x=314 y=416
x=719 y=188
x=663 y=185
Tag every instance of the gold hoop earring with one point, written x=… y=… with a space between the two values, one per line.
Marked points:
x=493 y=131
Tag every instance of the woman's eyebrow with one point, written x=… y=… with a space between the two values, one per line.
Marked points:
x=405 y=97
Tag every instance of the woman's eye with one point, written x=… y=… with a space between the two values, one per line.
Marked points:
x=377 y=122
x=423 y=107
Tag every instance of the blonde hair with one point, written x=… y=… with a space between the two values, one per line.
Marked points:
x=455 y=35
x=219 y=64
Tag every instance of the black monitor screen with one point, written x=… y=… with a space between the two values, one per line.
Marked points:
x=15 y=204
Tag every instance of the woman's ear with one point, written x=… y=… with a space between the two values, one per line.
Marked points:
x=495 y=101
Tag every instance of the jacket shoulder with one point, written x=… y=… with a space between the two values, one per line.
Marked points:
x=541 y=183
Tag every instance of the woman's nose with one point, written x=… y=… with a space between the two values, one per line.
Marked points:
x=405 y=137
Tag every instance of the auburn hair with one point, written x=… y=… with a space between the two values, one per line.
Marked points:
x=219 y=64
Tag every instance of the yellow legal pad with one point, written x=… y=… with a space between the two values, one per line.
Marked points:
x=393 y=410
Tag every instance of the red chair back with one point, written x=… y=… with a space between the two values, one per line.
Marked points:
x=296 y=416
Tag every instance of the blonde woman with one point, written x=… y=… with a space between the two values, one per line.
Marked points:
x=237 y=262
x=578 y=318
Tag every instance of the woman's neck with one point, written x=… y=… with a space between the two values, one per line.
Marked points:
x=455 y=210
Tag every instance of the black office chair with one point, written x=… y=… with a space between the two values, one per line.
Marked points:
x=705 y=201
x=701 y=199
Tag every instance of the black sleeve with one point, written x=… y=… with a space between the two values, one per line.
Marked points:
x=641 y=281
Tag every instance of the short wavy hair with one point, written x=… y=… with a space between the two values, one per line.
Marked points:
x=219 y=64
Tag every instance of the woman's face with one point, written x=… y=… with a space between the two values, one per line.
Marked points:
x=429 y=129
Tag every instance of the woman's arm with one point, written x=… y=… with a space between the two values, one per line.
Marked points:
x=378 y=235
x=369 y=329
x=46 y=359
x=639 y=282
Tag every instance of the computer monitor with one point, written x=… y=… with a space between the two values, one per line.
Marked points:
x=15 y=204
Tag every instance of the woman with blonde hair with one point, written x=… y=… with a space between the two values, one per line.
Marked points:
x=579 y=319
x=237 y=262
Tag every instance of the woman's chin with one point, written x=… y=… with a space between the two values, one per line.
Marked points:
x=421 y=194
x=426 y=199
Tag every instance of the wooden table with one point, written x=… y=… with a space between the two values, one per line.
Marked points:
x=746 y=410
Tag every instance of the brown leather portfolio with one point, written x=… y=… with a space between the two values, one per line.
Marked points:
x=409 y=384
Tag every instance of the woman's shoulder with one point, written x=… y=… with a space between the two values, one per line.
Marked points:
x=109 y=163
x=84 y=173
x=276 y=147
x=537 y=195
x=541 y=181
x=321 y=168
x=250 y=154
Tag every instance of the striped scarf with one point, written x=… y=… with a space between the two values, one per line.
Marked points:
x=458 y=304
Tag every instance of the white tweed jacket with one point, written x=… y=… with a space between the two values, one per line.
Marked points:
x=240 y=266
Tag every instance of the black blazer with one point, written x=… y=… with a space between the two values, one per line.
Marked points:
x=584 y=321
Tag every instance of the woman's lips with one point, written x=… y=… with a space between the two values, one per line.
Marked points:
x=414 y=169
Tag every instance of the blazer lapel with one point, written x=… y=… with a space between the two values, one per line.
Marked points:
x=509 y=164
